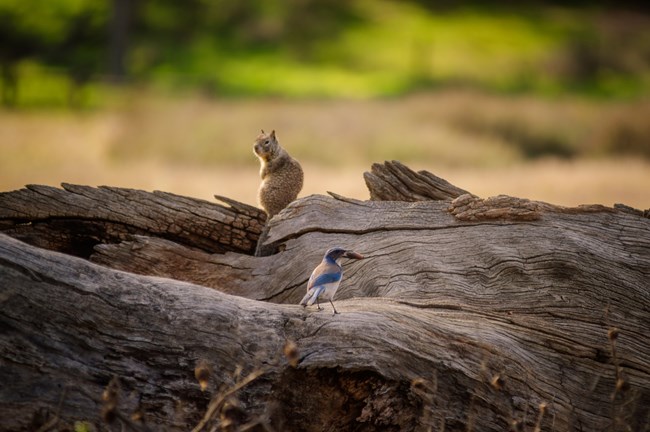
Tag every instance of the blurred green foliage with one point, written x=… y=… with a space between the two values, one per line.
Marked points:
x=57 y=52
x=67 y=36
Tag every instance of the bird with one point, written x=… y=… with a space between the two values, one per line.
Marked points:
x=326 y=277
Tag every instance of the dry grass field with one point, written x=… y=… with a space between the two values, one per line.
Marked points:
x=566 y=152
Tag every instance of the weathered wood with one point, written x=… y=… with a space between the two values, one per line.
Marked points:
x=457 y=303
x=503 y=207
x=393 y=181
x=76 y=218
x=465 y=315
x=230 y=273
x=69 y=322
x=455 y=256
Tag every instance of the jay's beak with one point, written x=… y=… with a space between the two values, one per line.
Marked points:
x=354 y=255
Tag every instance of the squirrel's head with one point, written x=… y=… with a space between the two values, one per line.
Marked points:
x=266 y=145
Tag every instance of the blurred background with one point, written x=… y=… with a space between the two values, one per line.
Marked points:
x=539 y=99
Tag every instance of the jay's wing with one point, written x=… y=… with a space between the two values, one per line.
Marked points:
x=322 y=279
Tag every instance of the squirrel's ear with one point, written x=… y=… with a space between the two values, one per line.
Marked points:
x=262 y=130
x=273 y=134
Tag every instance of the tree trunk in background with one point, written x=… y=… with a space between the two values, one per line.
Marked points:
x=120 y=23
x=466 y=314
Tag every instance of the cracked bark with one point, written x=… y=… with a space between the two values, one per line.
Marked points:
x=465 y=313
x=393 y=181
x=76 y=218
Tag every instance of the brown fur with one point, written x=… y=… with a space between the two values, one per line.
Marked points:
x=282 y=175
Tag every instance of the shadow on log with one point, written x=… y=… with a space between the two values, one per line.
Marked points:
x=467 y=314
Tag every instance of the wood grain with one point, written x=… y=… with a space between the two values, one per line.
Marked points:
x=394 y=181
x=467 y=313
x=70 y=321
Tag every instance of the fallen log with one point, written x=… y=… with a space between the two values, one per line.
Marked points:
x=466 y=314
x=76 y=218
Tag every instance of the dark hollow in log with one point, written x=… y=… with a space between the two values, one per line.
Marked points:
x=486 y=315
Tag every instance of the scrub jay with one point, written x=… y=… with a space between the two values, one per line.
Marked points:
x=326 y=277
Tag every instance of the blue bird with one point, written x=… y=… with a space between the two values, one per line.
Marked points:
x=326 y=277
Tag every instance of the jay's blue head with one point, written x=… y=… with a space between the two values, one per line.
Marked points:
x=334 y=254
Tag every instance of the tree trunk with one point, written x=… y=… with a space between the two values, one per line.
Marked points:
x=120 y=24
x=471 y=314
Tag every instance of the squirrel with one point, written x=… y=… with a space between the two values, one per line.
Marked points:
x=282 y=175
